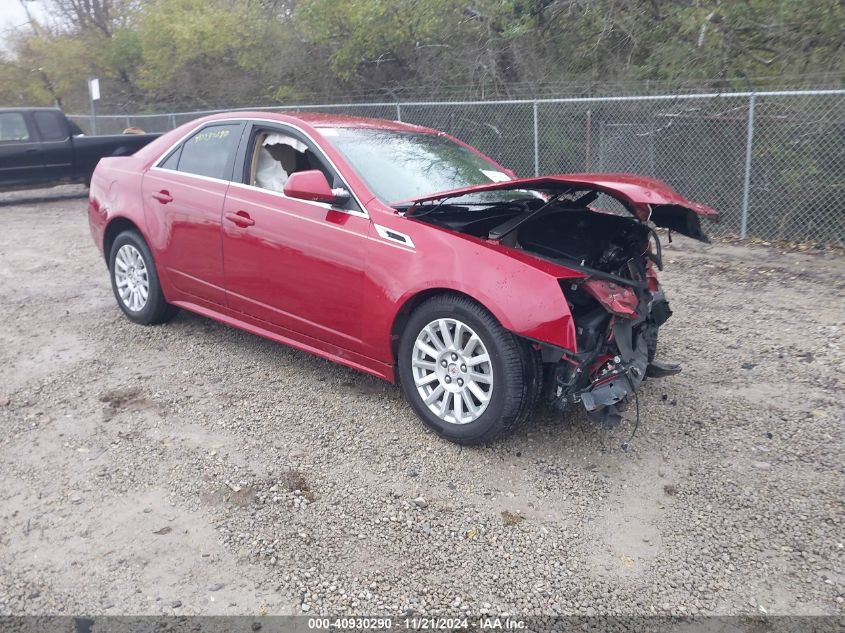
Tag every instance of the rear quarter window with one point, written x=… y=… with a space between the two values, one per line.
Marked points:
x=51 y=126
x=208 y=152
x=172 y=161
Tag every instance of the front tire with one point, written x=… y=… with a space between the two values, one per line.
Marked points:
x=465 y=376
x=135 y=282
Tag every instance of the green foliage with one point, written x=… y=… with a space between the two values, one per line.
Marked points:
x=123 y=52
x=190 y=33
x=187 y=53
x=362 y=35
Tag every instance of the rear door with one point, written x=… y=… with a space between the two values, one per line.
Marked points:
x=56 y=145
x=183 y=202
x=20 y=152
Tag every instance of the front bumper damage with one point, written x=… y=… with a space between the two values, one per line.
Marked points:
x=619 y=356
x=623 y=377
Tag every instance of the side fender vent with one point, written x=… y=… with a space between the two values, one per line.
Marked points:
x=394 y=236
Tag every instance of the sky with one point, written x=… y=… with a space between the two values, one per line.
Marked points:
x=12 y=16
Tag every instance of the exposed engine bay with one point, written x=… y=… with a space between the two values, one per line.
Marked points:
x=615 y=300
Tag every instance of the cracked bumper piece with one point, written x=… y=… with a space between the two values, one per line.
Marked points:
x=621 y=378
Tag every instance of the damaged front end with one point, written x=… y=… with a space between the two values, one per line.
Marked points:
x=612 y=257
x=617 y=341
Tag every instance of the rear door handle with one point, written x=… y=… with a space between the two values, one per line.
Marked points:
x=163 y=196
x=241 y=218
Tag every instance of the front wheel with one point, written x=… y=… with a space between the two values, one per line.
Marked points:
x=135 y=281
x=466 y=377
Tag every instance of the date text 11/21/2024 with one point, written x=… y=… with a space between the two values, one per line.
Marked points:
x=419 y=623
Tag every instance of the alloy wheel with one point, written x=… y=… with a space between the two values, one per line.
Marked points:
x=131 y=277
x=452 y=371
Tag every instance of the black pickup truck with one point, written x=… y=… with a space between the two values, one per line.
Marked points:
x=40 y=147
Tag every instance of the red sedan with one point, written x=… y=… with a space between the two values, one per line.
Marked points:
x=402 y=252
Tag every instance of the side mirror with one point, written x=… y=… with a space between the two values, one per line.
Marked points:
x=309 y=185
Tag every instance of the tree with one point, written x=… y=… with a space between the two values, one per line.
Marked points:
x=175 y=54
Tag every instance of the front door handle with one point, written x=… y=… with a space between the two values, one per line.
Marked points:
x=163 y=196
x=241 y=218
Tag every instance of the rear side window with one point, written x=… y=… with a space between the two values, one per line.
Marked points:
x=208 y=152
x=13 y=127
x=51 y=126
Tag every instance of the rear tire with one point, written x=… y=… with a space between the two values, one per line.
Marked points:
x=135 y=283
x=449 y=384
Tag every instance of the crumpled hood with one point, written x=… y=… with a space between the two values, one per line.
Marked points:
x=646 y=198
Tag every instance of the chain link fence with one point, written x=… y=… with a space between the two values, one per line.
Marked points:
x=772 y=163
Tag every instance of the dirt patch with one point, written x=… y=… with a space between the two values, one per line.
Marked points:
x=510 y=519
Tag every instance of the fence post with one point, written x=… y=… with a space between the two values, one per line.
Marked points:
x=749 y=145
x=536 y=144
x=588 y=139
x=398 y=111
x=172 y=121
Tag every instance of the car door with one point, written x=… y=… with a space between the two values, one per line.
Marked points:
x=56 y=145
x=183 y=197
x=296 y=264
x=20 y=152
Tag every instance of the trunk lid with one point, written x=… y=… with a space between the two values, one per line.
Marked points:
x=645 y=198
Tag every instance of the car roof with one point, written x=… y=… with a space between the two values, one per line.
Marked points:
x=328 y=119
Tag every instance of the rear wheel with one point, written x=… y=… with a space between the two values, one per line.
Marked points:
x=466 y=377
x=135 y=281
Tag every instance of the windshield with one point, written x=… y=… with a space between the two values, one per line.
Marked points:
x=403 y=165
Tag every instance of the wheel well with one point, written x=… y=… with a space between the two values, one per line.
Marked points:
x=408 y=308
x=113 y=229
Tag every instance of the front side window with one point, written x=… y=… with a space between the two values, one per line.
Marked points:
x=402 y=165
x=13 y=127
x=208 y=152
x=277 y=154
x=51 y=126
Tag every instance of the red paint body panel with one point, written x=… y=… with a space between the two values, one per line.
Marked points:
x=300 y=266
x=322 y=279
x=521 y=291
x=184 y=232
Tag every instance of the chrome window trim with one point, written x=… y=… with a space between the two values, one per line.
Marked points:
x=156 y=165
x=185 y=173
x=280 y=194
x=194 y=130
x=334 y=227
x=304 y=218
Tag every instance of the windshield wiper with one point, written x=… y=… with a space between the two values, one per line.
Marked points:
x=432 y=209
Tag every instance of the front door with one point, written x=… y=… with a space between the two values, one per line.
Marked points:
x=295 y=264
x=21 y=158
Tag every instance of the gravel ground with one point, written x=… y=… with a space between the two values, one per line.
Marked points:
x=192 y=468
